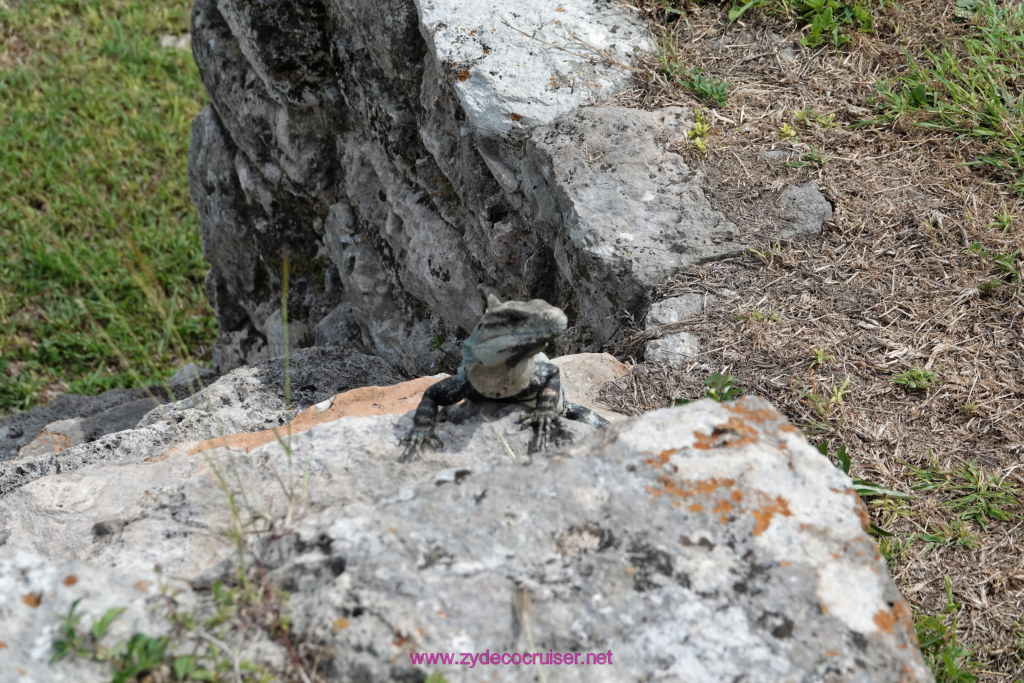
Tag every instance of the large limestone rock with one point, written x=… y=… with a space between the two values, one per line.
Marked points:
x=129 y=424
x=707 y=542
x=405 y=153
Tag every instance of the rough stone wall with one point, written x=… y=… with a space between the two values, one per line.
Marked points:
x=405 y=153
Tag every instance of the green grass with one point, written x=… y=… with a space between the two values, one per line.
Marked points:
x=971 y=89
x=96 y=118
x=827 y=21
x=949 y=661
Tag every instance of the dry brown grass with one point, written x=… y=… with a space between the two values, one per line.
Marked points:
x=889 y=286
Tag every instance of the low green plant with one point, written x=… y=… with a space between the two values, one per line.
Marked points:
x=969 y=408
x=786 y=132
x=1007 y=264
x=717 y=387
x=767 y=252
x=916 y=378
x=936 y=635
x=698 y=135
x=807 y=117
x=707 y=88
x=721 y=387
x=128 y=660
x=813 y=157
x=195 y=650
x=769 y=315
x=893 y=549
x=954 y=532
x=825 y=406
x=671 y=66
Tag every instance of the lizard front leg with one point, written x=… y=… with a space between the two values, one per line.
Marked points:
x=444 y=393
x=544 y=418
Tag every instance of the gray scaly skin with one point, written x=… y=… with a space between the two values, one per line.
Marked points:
x=503 y=361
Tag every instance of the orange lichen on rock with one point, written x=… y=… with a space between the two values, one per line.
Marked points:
x=763 y=516
x=70 y=580
x=360 y=402
x=32 y=599
x=677 y=490
x=46 y=442
x=733 y=434
x=759 y=415
x=663 y=457
x=763 y=512
x=899 y=615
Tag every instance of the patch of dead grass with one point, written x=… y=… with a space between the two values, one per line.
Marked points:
x=890 y=286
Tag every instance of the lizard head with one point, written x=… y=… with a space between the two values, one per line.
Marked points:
x=512 y=331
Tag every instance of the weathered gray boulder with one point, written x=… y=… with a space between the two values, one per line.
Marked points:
x=403 y=154
x=72 y=431
x=708 y=542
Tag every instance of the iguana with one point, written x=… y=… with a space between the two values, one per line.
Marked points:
x=502 y=360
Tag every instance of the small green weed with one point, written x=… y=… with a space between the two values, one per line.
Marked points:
x=916 y=378
x=893 y=549
x=1003 y=220
x=954 y=532
x=786 y=132
x=820 y=358
x=825 y=406
x=769 y=315
x=721 y=387
x=949 y=662
x=969 y=408
x=767 y=252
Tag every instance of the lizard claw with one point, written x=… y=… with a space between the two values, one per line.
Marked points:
x=415 y=441
x=544 y=423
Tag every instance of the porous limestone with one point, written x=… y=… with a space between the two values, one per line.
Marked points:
x=402 y=155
